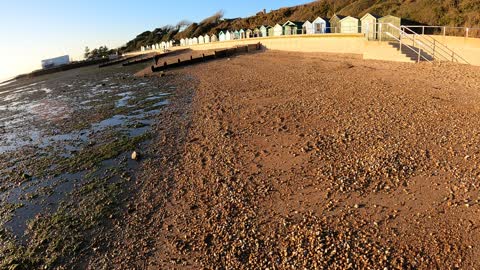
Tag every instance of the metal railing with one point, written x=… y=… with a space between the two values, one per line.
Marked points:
x=425 y=47
x=389 y=32
x=438 y=50
x=467 y=32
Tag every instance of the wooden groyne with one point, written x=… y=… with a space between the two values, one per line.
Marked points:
x=218 y=54
x=149 y=57
x=117 y=61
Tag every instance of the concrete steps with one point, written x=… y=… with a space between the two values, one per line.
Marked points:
x=409 y=53
x=375 y=50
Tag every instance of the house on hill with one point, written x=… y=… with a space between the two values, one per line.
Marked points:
x=335 y=23
x=292 y=28
x=349 y=25
x=390 y=24
x=369 y=26
x=278 y=30
x=221 y=36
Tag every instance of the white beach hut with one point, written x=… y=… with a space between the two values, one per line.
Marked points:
x=182 y=42
x=242 y=33
x=263 y=31
x=195 y=40
x=320 y=26
x=206 y=38
x=369 y=25
x=142 y=48
x=201 y=40
x=349 y=24
x=307 y=28
x=249 y=33
x=228 y=35
x=213 y=38
x=278 y=30
x=221 y=36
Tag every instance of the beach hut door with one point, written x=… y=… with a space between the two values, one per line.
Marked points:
x=319 y=28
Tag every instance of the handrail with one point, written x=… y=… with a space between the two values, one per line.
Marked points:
x=450 y=53
x=444 y=28
x=430 y=45
x=409 y=47
x=403 y=34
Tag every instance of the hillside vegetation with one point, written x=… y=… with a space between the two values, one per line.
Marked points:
x=427 y=12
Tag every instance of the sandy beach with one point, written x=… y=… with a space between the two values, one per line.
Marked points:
x=266 y=160
x=291 y=160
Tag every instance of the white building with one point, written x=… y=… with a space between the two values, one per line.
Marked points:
x=278 y=30
x=55 y=62
x=206 y=38
x=201 y=40
x=221 y=36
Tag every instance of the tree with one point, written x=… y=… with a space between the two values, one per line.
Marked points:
x=86 y=55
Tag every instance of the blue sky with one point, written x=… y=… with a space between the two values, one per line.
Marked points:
x=31 y=30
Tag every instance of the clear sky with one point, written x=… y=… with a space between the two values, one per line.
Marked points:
x=31 y=30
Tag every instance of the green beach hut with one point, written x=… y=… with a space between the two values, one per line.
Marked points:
x=385 y=27
x=335 y=23
x=292 y=28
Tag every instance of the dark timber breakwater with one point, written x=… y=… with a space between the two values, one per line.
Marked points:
x=216 y=55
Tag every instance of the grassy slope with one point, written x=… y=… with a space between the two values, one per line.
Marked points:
x=428 y=12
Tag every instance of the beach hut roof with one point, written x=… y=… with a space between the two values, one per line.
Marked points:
x=370 y=15
x=320 y=19
x=242 y=31
x=307 y=23
x=340 y=17
x=348 y=18
x=294 y=23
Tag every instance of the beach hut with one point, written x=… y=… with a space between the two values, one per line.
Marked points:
x=256 y=32
x=369 y=26
x=320 y=26
x=213 y=38
x=182 y=42
x=292 y=28
x=201 y=40
x=307 y=28
x=171 y=43
x=270 y=31
x=249 y=33
x=195 y=40
x=349 y=25
x=142 y=48
x=263 y=31
x=335 y=23
x=383 y=26
x=206 y=38
x=242 y=34
x=163 y=45
x=236 y=34
x=221 y=36
x=228 y=35
x=278 y=30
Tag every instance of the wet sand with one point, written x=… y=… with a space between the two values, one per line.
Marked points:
x=291 y=160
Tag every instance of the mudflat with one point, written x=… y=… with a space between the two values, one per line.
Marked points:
x=294 y=160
